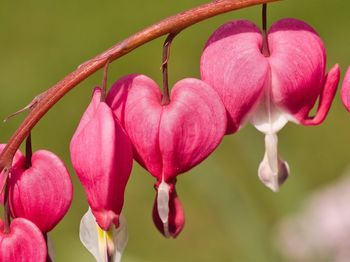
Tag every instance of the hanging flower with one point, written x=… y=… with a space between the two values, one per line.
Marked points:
x=23 y=243
x=269 y=90
x=101 y=154
x=41 y=193
x=168 y=139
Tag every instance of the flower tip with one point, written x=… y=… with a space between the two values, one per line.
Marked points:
x=273 y=180
x=172 y=224
x=105 y=219
x=345 y=91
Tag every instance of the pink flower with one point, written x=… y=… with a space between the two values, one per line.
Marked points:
x=24 y=242
x=168 y=139
x=41 y=193
x=345 y=90
x=269 y=91
x=101 y=154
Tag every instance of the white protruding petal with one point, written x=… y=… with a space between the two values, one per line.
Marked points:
x=89 y=236
x=100 y=243
x=272 y=170
x=163 y=205
x=50 y=248
x=120 y=238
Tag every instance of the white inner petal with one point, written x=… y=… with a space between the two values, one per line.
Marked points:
x=269 y=119
x=163 y=205
x=100 y=243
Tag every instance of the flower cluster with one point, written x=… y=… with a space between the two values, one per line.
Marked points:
x=246 y=76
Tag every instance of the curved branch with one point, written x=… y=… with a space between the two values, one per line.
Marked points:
x=166 y=26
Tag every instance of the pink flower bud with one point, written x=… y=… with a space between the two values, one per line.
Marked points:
x=24 y=242
x=101 y=154
x=269 y=91
x=169 y=139
x=345 y=90
x=41 y=193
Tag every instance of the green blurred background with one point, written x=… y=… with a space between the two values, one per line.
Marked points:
x=230 y=215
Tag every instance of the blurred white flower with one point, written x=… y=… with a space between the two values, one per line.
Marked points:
x=321 y=230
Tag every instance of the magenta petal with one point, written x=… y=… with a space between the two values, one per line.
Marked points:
x=42 y=193
x=191 y=126
x=345 y=91
x=118 y=95
x=298 y=61
x=101 y=154
x=142 y=119
x=233 y=65
x=24 y=242
x=172 y=139
x=326 y=97
x=176 y=217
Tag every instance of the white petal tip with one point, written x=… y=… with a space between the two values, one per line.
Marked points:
x=163 y=202
x=103 y=244
x=270 y=179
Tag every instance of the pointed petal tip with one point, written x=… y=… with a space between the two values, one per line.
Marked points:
x=345 y=90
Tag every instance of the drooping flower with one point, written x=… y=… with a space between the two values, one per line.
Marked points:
x=168 y=139
x=101 y=154
x=269 y=91
x=345 y=90
x=41 y=193
x=23 y=243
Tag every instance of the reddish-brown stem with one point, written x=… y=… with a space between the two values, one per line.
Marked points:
x=172 y=24
x=165 y=61
x=265 y=48
x=7 y=215
x=29 y=151
x=104 y=81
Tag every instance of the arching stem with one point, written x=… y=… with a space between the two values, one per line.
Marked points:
x=166 y=26
x=165 y=61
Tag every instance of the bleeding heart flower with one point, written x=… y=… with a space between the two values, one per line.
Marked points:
x=269 y=91
x=102 y=157
x=41 y=193
x=23 y=243
x=168 y=139
x=345 y=90
x=101 y=154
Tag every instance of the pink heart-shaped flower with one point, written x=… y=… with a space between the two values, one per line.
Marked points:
x=23 y=243
x=168 y=139
x=41 y=193
x=101 y=154
x=269 y=91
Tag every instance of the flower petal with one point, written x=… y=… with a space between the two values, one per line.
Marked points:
x=345 y=91
x=326 y=97
x=101 y=154
x=273 y=171
x=297 y=61
x=24 y=242
x=99 y=242
x=43 y=192
x=232 y=63
x=175 y=219
x=191 y=126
